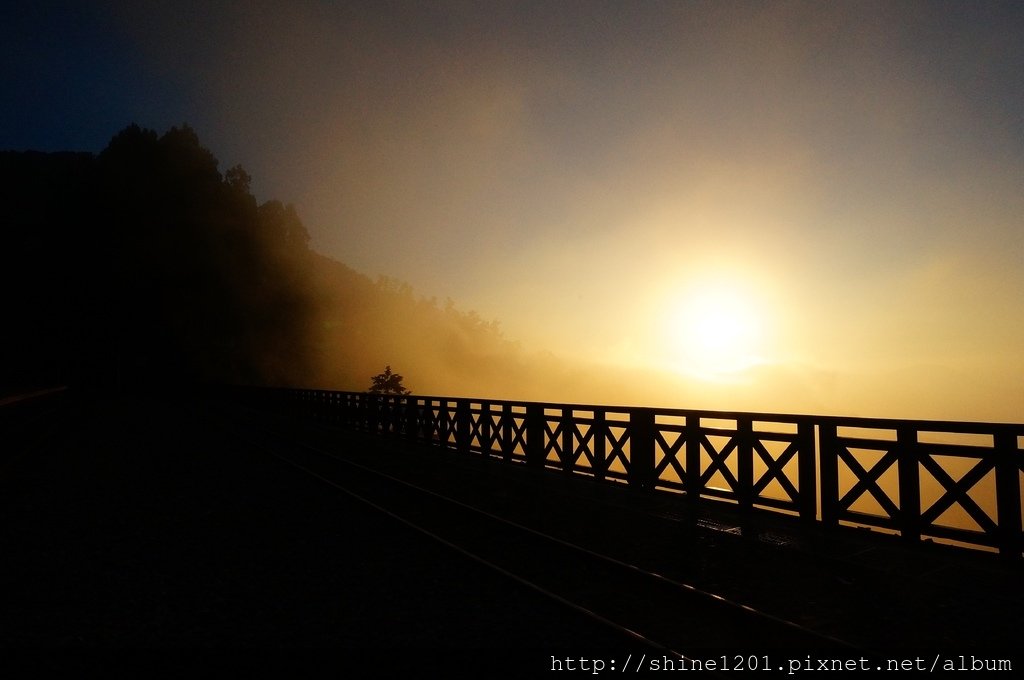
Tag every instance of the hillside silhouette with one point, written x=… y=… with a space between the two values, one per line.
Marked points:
x=146 y=263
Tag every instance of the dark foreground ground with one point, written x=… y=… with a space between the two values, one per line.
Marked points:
x=136 y=527
x=148 y=531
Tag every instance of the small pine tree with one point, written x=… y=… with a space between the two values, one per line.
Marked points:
x=387 y=383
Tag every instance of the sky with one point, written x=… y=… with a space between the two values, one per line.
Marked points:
x=786 y=206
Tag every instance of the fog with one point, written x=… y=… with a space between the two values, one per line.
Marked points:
x=849 y=176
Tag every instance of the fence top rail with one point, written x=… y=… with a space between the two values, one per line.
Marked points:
x=964 y=427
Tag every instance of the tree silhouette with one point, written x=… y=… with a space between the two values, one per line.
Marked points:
x=144 y=263
x=387 y=383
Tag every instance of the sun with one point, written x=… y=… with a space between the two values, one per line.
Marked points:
x=714 y=331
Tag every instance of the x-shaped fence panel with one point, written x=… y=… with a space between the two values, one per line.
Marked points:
x=920 y=479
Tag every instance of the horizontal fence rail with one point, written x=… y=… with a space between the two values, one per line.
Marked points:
x=957 y=482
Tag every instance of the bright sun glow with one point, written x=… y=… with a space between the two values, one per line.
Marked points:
x=715 y=332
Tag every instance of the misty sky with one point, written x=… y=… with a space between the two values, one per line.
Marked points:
x=842 y=181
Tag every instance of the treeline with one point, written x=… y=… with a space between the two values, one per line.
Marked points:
x=144 y=263
x=365 y=324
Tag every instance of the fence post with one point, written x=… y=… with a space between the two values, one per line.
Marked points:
x=599 y=438
x=445 y=424
x=425 y=420
x=828 y=459
x=330 y=412
x=397 y=415
x=387 y=412
x=535 y=435
x=506 y=432
x=692 y=470
x=352 y=411
x=408 y=417
x=484 y=424
x=430 y=430
x=745 y=461
x=463 y=420
x=910 y=483
x=1008 y=500
x=807 y=468
x=641 y=448
x=370 y=413
x=568 y=454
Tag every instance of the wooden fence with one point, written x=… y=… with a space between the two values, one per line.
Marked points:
x=955 y=482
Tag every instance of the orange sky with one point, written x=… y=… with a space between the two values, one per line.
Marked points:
x=838 y=186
